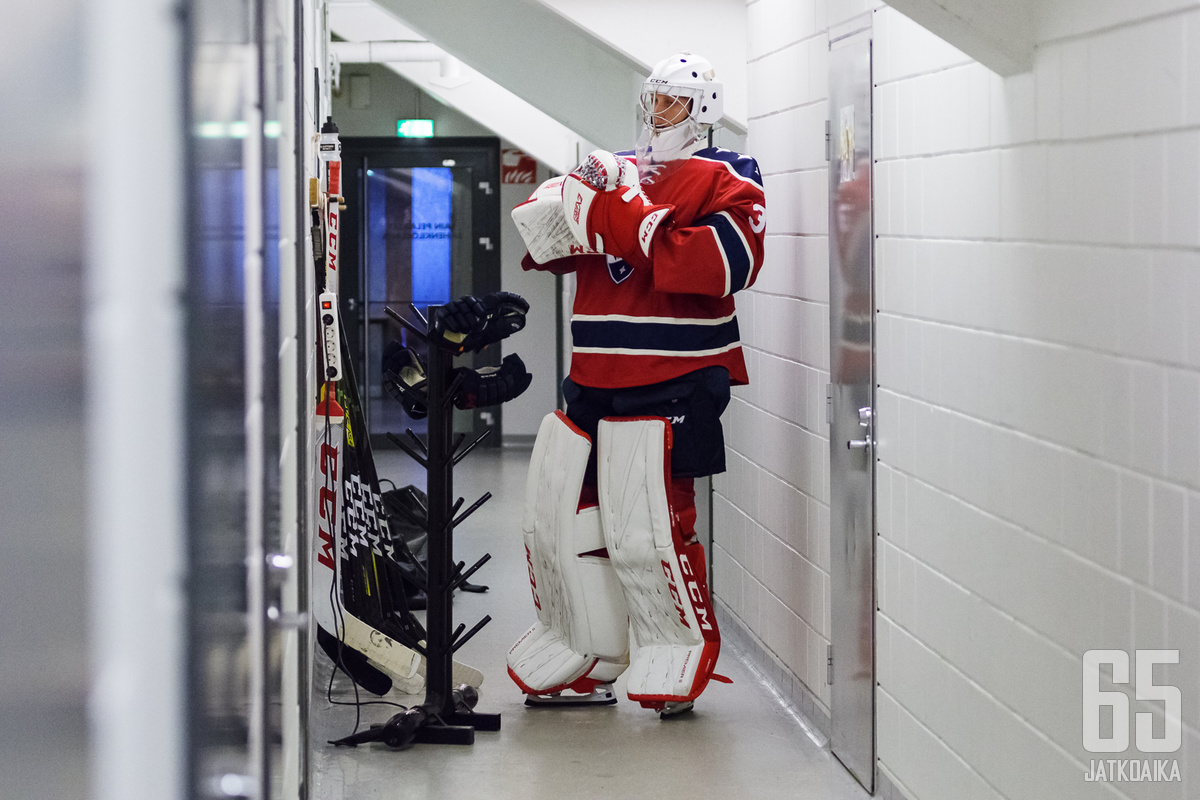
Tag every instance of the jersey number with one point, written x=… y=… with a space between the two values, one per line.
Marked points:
x=758 y=224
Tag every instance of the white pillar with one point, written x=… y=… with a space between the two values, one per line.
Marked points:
x=134 y=354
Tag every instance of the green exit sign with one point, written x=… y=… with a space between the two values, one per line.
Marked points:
x=414 y=128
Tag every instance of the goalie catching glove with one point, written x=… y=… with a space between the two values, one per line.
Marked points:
x=469 y=324
x=491 y=386
x=607 y=211
x=543 y=225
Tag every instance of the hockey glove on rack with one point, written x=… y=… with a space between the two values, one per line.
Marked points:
x=607 y=210
x=469 y=324
x=491 y=386
x=404 y=378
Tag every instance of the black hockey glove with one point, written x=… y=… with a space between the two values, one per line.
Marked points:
x=404 y=378
x=469 y=324
x=491 y=386
x=465 y=316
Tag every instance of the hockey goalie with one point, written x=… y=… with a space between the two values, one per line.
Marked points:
x=659 y=240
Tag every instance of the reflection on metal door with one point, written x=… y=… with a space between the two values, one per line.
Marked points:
x=852 y=400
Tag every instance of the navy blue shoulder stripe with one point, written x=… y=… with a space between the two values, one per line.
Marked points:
x=625 y=153
x=734 y=247
x=743 y=165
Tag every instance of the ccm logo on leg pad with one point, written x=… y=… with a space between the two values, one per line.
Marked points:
x=694 y=593
x=666 y=568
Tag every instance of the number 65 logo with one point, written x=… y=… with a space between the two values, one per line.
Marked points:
x=1144 y=689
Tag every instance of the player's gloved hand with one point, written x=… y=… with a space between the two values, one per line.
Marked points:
x=607 y=211
x=404 y=378
x=469 y=324
x=491 y=386
x=543 y=225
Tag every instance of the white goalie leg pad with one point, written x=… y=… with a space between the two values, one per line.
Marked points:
x=675 y=636
x=581 y=636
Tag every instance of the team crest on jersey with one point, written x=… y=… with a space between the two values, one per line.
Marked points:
x=618 y=269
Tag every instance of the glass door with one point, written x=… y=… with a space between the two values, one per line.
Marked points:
x=418 y=231
x=422 y=227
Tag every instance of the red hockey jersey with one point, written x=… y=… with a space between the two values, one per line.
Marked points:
x=634 y=327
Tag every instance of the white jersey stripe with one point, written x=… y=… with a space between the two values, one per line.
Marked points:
x=627 y=351
x=724 y=259
x=656 y=320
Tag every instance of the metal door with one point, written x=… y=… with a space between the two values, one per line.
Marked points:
x=852 y=401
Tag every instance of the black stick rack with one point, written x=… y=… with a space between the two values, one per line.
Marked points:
x=447 y=722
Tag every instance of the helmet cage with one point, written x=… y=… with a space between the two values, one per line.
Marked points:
x=681 y=97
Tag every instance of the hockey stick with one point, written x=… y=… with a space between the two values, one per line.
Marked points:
x=352 y=557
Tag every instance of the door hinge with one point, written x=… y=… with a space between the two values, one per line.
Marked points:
x=829 y=664
x=828 y=142
x=828 y=403
x=486 y=186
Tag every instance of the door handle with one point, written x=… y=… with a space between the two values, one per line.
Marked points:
x=866 y=419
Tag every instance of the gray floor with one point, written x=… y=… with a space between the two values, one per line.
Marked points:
x=739 y=742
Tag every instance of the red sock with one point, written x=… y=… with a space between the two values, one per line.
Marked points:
x=683 y=504
x=589 y=496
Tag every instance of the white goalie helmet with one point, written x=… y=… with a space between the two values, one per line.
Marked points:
x=680 y=101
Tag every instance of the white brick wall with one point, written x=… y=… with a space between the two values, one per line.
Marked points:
x=1038 y=287
x=771 y=509
x=1037 y=271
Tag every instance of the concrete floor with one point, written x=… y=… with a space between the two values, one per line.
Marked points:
x=739 y=742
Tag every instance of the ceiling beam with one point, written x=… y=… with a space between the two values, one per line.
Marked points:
x=540 y=56
x=373 y=35
x=997 y=33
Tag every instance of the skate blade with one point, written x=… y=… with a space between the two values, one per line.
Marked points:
x=673 y=709
x=602 y=695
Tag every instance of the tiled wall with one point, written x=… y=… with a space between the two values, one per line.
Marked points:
x=771 y=509
x=1037 y=271
x=1038 y=294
